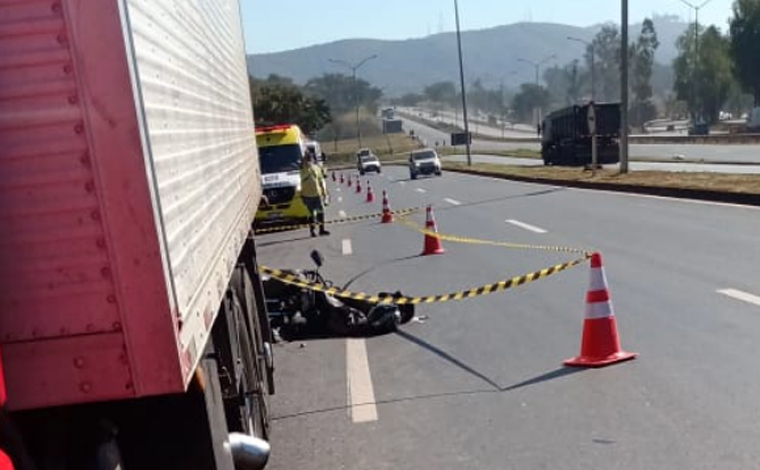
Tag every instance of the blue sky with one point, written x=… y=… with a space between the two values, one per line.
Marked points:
x=281 y=25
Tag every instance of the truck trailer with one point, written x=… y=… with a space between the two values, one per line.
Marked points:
x=566 y=135
x=132 y=321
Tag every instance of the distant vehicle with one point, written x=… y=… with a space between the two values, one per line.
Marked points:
x=393 y=126
x=699 y=128
x=753 y=120
x=424 y=162
x=566 y=136
x=388 y=113
x=367 y=161
x=315 y=148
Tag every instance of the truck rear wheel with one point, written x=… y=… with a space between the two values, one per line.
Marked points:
x=242 y=363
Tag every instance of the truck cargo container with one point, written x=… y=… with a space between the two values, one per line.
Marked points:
x=132 y=319
x=566 y=137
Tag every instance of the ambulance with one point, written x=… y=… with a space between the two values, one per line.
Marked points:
x=281 y=150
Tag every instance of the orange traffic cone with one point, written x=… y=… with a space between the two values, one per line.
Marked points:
x=370 y=194
x=387 y=212
x=358 y=186
x=342 y=179
x=600 y=345
x=432 y=243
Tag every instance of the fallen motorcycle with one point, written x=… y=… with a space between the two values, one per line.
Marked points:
x=295 y=310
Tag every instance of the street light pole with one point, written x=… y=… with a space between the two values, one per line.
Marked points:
x=537 y=66
x=464 y=91
x=592 y=47
x=624 y=89
x=354 y=68
x=696 y=9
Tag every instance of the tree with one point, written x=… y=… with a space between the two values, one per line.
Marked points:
x=340 y=92
x=409 y=99
x=441 y=92
x=574 y=83
x=643 y=51
x=606 y=46
x=705 y=83
x=745 y=45
x=484 y=99
x=278 y=102
x=565 y=84
x=530 y=97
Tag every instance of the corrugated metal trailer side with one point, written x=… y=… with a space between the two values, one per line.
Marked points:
x=128 y=181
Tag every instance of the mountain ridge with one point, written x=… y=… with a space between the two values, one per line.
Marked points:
x=492 y=54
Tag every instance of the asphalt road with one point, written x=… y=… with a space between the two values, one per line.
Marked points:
x=712 y=153
x=479 y=384
x=635 y=166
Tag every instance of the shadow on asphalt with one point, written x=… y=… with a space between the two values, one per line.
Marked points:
x=555 y=374
x=484 y=202
x=493 y=387
x=377 y=266
x=286 y=240
x=447 y=357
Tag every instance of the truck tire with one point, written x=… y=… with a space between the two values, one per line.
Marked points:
x=253 y=409
x=258 y=316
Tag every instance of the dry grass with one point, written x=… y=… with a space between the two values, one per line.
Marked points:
x=385 y=146
x=517 y=153
x=720 y=182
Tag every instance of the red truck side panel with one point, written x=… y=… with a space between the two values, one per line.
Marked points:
x=84 y=309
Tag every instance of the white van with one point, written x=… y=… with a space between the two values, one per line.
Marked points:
x=314 y=146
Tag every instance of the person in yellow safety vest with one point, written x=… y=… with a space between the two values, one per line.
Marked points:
x=314 y=193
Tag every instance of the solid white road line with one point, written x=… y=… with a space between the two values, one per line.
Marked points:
x=361 y=393
x=453 y=202
x=420 y=190
x=347 y=248
x=529 y=227
x=342 y=214
x=739 y=295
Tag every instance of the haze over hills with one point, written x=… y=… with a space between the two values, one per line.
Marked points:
x=409 y=65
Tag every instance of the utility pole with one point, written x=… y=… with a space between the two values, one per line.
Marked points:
x=624 y=89
x=502 y=106
x=537 y=66
x=461 y=81
x=353 y=68
x=592 y=48
x=695 y=64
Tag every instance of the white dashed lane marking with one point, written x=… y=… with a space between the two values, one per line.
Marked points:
x=525 y=226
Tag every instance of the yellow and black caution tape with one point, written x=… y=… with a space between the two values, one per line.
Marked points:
x=289 y=278
x=345 y=220
x=478 y=241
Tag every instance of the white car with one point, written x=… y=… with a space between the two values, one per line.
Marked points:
x=424 y=162
x=367 y=161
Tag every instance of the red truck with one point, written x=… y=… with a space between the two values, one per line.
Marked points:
x=132 y=320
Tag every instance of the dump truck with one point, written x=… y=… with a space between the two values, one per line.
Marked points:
x=132 y=321
x=566 y=136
